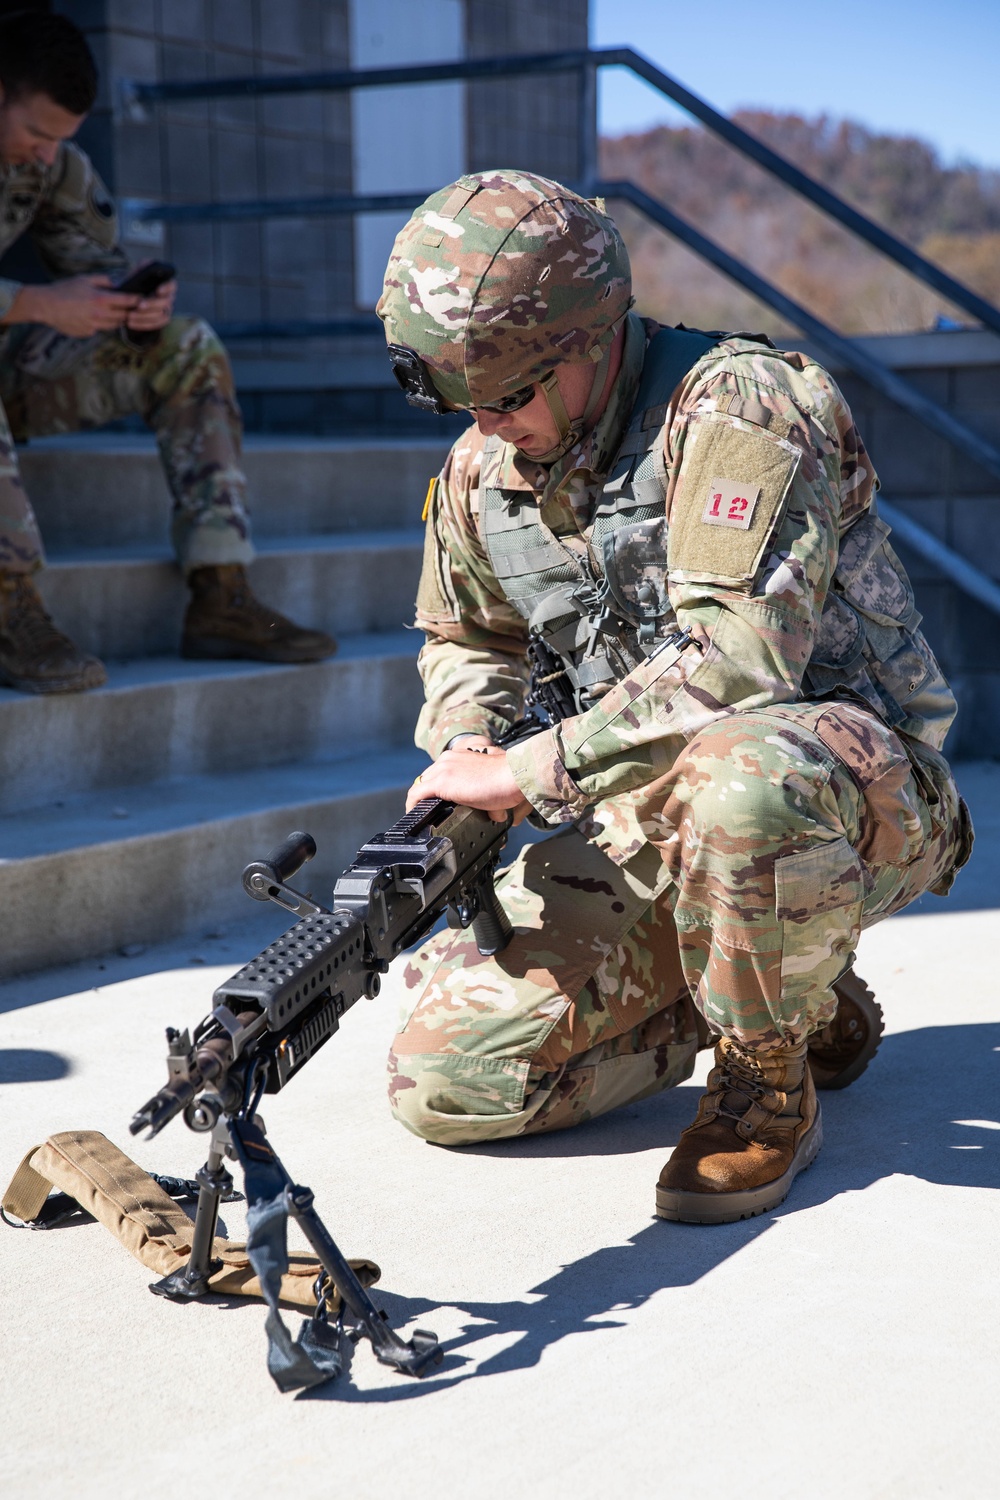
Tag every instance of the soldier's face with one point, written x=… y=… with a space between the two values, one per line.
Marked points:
x=533 y=428
x=32 y=128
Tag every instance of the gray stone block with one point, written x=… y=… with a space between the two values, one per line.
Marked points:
x=162 y=718
x=124 y=607
x=78 y=881
x=100 y=492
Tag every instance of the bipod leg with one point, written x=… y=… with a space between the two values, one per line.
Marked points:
x=213 y=1183
x=411 y=1357
x=257 y=1156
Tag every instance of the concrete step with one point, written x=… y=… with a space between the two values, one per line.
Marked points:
x=161 y=718
x=101 y=490
x=76 y=880
x=128 y=602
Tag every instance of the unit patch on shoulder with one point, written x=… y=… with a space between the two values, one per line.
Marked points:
x=730 y=503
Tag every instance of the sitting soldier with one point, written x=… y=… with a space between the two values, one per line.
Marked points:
x=76 y=354
x=739 y=722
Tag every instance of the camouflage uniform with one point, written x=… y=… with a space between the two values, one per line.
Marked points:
x=181 y=384
x=730 y=830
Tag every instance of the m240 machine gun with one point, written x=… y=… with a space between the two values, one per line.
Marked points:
x=276 y=1013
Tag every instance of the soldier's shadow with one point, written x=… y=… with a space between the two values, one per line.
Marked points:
x=927 y=1107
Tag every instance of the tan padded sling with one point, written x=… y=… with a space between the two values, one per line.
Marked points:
x=151 y=1226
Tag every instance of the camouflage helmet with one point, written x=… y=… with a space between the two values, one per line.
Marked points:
x=497 y=279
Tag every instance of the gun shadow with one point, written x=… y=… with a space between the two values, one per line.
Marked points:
x=926 y=1108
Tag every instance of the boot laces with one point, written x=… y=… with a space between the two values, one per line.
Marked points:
x=741 y=1084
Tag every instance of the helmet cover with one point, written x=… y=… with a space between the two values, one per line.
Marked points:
x=501 y=276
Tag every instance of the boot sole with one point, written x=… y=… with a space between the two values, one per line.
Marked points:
x=729 y=1208
x=217 y=648
x=86 y=684
x=864 y=999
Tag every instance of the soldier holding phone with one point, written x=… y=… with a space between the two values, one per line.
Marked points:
x=97 y=344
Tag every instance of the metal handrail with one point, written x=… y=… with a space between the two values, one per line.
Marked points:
x=973 y=581
x=970 y=579
x=136 y=95
x=846 y=350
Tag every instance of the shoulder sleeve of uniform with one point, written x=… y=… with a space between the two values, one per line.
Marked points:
x=76 y=227
x=747 y=421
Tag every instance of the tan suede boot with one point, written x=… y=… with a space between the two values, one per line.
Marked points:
x=34 y=655
x=757 y=1126
x=842 y=1051
x=225 y=621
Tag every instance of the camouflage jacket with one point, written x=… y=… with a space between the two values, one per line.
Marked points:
x=68 y=212
x=788 y=437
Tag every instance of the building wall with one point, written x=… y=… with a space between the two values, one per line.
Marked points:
x=531 y=122
x=230 y=149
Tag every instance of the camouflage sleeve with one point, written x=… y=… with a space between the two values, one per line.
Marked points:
x=765 y=470
x=473 y=663
x=75 y=229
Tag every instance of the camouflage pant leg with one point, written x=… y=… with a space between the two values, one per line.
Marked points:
x=182 y=386
x=586 y=1009
x=786 y=831
x=20 y=541
x=781 y=834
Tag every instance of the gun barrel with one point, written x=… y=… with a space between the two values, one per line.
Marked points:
x=163 y=1107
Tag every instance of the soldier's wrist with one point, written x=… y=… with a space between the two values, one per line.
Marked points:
x=18 y=304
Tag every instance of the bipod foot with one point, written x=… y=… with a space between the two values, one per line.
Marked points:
x=413 y=1356
x=186 y=1285
x=362 y=1319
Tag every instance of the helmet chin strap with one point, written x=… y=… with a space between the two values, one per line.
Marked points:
x=571 y=432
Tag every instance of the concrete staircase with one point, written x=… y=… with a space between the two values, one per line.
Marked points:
x=127 y=814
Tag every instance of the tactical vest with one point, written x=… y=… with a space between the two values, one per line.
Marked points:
x=602 y=610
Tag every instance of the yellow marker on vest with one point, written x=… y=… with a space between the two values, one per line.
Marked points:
x=428 y=498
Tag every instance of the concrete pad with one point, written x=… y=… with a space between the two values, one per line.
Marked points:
x=843 y=1345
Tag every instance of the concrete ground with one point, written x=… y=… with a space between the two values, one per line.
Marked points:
x=844 y=1345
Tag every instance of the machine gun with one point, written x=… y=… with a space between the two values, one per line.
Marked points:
x=276 y=1013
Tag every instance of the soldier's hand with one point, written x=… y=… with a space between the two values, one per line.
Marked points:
x=153 y=312
x=78 y=306
x=473 y=777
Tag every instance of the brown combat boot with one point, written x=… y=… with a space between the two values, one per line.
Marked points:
x=34 y=655
x=841 y=1052
x=225 y=621
x=757 y=1126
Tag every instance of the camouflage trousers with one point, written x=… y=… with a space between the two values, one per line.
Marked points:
x=775 y=838
x=181 y=386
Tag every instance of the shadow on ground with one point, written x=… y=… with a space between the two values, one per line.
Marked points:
x=927 y=1108
x=32 y=1065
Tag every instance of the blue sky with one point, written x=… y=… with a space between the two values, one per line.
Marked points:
x=915 y=69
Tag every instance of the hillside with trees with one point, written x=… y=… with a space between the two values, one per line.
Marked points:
x=952 y=214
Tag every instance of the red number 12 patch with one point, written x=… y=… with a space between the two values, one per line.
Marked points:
x=730 y=503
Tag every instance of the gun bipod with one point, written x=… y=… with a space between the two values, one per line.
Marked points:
x=242 y=1135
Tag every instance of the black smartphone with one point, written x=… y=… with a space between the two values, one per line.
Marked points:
x=148 y=279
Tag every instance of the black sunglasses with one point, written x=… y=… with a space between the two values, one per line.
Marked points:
x=418 y=388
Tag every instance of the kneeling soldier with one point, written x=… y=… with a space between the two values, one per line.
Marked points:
x=77 y=354
x=679 y=531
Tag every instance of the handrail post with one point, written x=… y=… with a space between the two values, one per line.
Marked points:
x=587 y=127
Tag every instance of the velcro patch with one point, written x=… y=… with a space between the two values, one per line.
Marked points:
x=730 y=503
x=722 y=541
